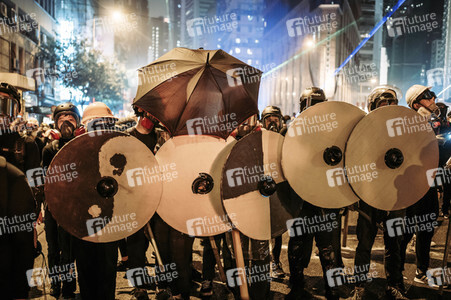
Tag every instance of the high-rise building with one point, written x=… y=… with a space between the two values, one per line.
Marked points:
x=174 y=8
x=370 y=54
x=244 y=39
x=197 y=22
x=437 y=54
x=446 y=43
x=408 y=37
x=28 y=24
x=160 y=38
x=304 y=47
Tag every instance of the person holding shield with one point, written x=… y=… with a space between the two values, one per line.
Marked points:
x=300 y=246
x=60 y=248
x=422 y=100
x=367 y=227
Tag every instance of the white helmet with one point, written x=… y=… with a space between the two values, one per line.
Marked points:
x=96 y=110
x=414 y=92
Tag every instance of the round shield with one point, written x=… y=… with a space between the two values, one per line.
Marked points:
x=313 y=150
x=191 y=200
x=391 y=158
x=255 y=193
x=103 y=188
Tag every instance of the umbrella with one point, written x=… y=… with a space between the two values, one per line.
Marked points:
x=206 y=92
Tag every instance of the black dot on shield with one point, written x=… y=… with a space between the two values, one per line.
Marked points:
x=118 y=161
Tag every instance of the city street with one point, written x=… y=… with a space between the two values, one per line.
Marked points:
x=315 y=283
x=215 y=118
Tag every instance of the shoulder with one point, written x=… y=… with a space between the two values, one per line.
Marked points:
x=13 y=172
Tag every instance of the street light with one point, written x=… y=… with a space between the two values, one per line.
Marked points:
x=117 y=15
x=309 y=43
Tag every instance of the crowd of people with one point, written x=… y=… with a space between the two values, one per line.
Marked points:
x=26 y=144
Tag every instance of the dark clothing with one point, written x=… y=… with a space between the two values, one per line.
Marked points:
x=209 y=260
x=59 y=241
x=150 y=140
x=59 y=251
x=123 y=248
x=96 y=267
x=16 y=248
x=137 y=245
x=277 y=248
x=366 y=233
x=300 y=247
x=175 y=247
x=427 y=206
x=50 y=150
x=20 y=151
x=446 y=198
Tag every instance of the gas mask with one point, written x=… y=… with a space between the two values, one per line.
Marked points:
x=429 y=110
x=273 y=126
x=244 y=129
x=67 y=130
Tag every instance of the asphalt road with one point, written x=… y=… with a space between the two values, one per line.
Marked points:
x=315 y=284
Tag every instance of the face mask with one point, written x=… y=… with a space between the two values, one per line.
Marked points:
x=67 y=130
x=428 y=111
x=146 y=123
x=243 y=130
x=273 y=127
x=434 y=109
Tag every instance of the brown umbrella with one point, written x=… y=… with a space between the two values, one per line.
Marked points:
x=193 y=92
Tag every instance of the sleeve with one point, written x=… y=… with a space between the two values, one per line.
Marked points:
x=47 y=155
x=33 y=159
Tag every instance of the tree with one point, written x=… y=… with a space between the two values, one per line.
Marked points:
x=80 y=67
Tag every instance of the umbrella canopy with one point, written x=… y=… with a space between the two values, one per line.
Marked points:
x=206 y=92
